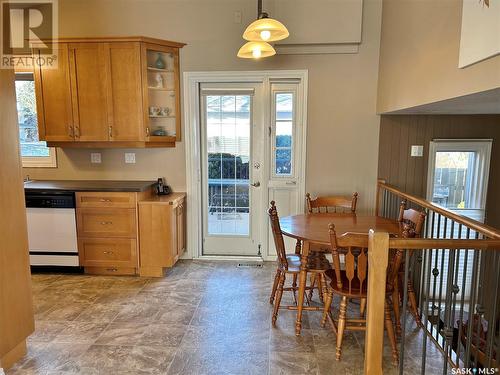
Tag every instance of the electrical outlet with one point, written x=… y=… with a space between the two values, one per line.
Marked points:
x=130 y=157
x=237 y=17
x=95 y=157
x=417 y=151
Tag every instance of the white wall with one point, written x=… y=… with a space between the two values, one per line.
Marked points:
x=343 y=127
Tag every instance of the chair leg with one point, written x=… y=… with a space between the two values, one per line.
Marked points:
x=313 y=283
x=341 y=327
x=390 y=331
x=362 y=308
x=413 y=303
x=328 y=305
x=279 y=293
x=275 y=285
x=324 y=287
x=395 y=305
x=320 y=286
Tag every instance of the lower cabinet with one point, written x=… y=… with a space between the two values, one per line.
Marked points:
x=107 y=232
x=130 y=233
x=162 y=235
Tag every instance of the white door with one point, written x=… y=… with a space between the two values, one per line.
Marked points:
x=232 y=124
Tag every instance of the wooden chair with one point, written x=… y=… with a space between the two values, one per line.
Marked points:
x=289 y=264
x=341 y=205
x=412 y=222
x=351 y=283
x=332 y=204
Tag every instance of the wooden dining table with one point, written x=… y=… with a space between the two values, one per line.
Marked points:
x=313 y=229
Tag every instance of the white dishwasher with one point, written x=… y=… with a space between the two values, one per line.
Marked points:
x=52 y=229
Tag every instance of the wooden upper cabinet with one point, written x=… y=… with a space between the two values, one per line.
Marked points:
x=53 y=97
x=125 y=92
x=89 y=80
x=111 y=92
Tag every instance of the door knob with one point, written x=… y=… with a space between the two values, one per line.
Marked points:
x=256 y=184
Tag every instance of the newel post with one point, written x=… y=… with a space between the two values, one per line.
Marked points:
x=378 y=255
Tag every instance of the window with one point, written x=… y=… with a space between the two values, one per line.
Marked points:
x=34 y=153
x=283 y=129
x=458 y=175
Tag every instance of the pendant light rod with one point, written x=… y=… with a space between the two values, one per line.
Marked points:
x=260 y=13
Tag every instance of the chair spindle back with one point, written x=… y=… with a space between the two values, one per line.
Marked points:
x=332 y=204
x=279 y=243
x=411 y=219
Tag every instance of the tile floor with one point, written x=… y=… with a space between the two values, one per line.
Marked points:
x=203 y=318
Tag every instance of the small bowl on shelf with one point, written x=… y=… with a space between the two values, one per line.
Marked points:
x=160 y=132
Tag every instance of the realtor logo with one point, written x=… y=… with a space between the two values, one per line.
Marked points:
x=27 y=25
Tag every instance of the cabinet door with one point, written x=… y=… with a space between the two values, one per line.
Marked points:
x=181 y=242
x=125 y=92
x=53 y=98
x=89 y=80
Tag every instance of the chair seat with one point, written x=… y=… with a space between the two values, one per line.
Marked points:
x=316 y=262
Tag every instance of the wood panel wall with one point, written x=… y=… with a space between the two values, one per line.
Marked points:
x=16 y=309
x=399 y=132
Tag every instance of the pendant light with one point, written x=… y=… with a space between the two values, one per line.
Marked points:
x=259 y=33
x=256 y=50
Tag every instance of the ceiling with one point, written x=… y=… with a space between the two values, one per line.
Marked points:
x=485 y=102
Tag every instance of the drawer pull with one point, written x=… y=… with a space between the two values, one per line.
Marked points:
x=106 y=222
x=105 y=200
x=108 y=252
x=112 y=269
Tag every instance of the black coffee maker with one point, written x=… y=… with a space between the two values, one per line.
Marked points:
x=162 y=188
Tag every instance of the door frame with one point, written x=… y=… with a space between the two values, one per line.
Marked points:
x=192 y=134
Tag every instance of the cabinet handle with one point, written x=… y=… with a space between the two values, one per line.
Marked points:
x=147 y=131
x=110 y=131
x=112 y=269
x=106 y=222
x=105 y=200
x=77 y=132
x=108 y=252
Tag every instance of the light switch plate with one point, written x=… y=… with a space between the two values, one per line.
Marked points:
x=417 y=151
x=95 y=157
x=130 y=157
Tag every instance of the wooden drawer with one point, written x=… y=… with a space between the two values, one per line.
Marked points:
x=105 y=252
x=104 y=199
x=107 y=222
x=110 y=270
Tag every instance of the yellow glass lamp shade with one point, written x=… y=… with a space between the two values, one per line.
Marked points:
x=266 y=29
x=255 y=50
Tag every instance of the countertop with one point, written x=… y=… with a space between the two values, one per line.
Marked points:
x=163 y=199
x=87 y=185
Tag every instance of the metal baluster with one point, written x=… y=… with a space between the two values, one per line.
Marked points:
x=462 y=295
x=441 y=279
x=403 y=313
x=455 y=287
x=448 y=326
x=428 y=272
x=479 y=304
x=435 y=273
x=471 y=306
x=493 y=316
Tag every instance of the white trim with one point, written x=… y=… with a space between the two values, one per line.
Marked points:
x=191 y=83
x=230 y=258
x=41 y=161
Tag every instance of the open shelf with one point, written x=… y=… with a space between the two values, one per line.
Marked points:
x=159 y=89
x=156 y=116
x=150 y=68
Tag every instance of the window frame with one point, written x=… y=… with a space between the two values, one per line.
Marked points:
x=284 y=88
x=35 y=161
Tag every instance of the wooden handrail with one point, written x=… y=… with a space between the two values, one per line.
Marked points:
x=468 y=222
x=434 y=243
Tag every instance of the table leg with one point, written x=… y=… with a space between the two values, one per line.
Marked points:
x=302 y=286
